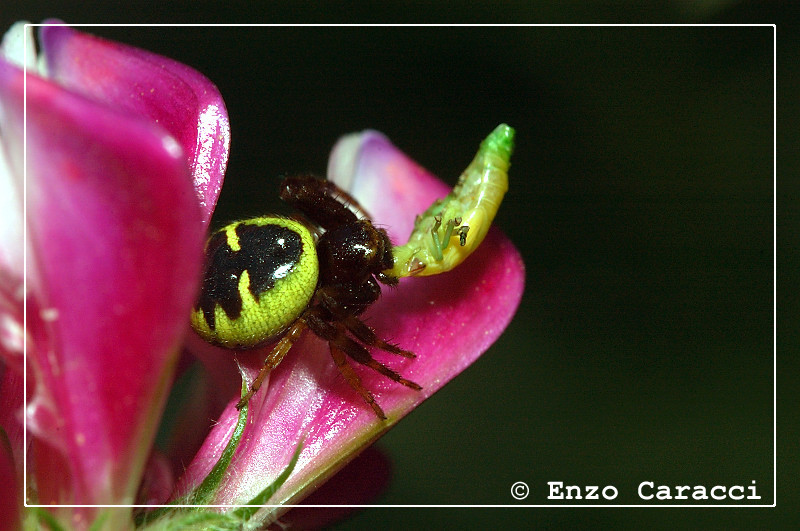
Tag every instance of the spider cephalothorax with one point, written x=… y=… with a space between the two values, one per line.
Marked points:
x=267 y=277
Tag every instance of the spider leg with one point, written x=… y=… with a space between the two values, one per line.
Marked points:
x=336 y=335
x=340 y=359
x=367 y=335
x=362 y=332
x=319 y=199
x=274 y=358
x=361 y=355
x=334 y=191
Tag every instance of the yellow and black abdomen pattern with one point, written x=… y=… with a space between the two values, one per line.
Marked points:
x=260 y=275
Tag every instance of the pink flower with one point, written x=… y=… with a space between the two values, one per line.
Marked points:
x=122 y=147
x=115 y=138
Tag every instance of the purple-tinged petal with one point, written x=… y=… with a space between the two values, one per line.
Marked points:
x=174 y=95
x=389 y=185
x=116 y=251
x=447 y=320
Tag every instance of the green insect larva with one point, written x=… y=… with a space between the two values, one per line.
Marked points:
x=466 y=213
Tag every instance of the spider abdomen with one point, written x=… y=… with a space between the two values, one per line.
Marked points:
x=260 y=275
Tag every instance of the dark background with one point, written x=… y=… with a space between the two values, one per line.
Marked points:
x=641 y=200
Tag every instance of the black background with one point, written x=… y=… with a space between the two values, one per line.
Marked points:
x=641 y=200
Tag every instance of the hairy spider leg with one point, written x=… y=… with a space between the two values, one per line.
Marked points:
x=320 y=200
x=336 y=335
x=274 y=358
x=334 y=191
x=367 y=335
x=356 y=326
x=340 y=359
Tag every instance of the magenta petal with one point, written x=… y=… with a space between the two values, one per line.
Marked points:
x=116 y=251
x=447 y=320
x=177 y=97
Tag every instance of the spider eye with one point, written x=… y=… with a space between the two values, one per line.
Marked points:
x=260 y=275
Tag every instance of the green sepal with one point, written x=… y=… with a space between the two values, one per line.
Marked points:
x=39 y=518
x=183 y=519
x=204 y=492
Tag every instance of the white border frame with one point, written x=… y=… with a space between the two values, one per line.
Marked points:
x=363 y=506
